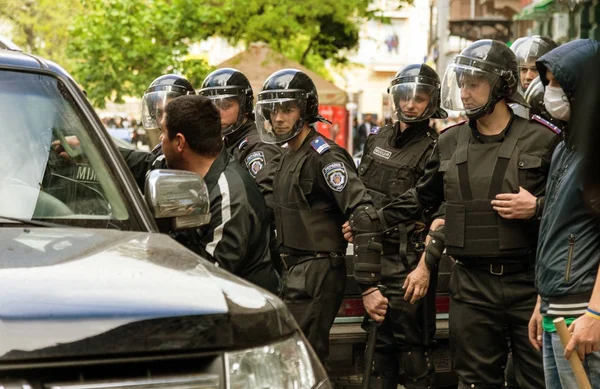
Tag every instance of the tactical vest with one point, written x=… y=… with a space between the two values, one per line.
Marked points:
x=388 y=171
x=302 y=226
x=473 y=176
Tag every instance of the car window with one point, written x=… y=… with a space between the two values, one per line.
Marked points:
x=50 y=169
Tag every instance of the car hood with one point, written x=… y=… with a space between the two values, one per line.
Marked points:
x=85 y=292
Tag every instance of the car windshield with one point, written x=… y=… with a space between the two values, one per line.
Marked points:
x=50 y=169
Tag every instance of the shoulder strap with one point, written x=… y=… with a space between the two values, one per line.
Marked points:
x=453 y=125
x=551 y=126
x=320 y=145
x=504 y=155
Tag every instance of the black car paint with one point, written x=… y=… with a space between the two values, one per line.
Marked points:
x=112 y=324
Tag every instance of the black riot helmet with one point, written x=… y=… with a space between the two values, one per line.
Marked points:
x=412 y=86
x=223 y=86
x=287 y=102
x=484 y=64
x=159 y=93
x=528 y=50
x=534 y=95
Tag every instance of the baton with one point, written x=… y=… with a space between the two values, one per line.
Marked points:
x=580 y=376
x=370 y=347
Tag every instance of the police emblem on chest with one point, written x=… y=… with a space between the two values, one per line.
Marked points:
x=336 y=176
x=255 y=162
x=382 y=153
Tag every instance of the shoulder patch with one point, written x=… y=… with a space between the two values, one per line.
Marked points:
x=554 y=128
x=243 y=144
x=454 y=125
x=255 y=162
x=320 y=145
x=336 y=176
x=374 y=131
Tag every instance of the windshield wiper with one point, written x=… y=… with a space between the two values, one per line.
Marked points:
x=26 y=222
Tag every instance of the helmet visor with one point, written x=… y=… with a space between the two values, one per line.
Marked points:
x=231 y=108
x=467 y=88
x=153 y=107
x=530 y=51
x=280 y=118
x=413 y=101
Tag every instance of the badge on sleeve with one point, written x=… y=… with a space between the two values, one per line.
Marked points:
x=336 y=176
x=254 y=162
x=374 y=131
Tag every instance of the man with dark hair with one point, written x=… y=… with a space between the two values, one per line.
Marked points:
x=237 y=237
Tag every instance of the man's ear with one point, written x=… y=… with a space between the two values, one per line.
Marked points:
x=180 y=142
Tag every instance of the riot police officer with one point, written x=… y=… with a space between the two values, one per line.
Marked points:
x=160 y=92
x=491 y=172
x=527 y=50
x=394 y=159
x=315 y=190
x=232 y=93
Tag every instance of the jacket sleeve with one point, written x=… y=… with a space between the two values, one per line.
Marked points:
x=426 y=196
x=225 y=239
x=337 y=175
x=140 y=163
x=264 y=176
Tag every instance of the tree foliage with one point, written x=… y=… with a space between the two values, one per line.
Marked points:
x=122 y=45
x=41 y=26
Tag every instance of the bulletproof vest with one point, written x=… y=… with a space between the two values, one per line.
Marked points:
x=389 y=171
x=473 y=176
x=304 y=226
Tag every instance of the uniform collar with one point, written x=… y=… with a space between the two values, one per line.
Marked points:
x=232 y=140
x=215 y=170
x=490 y=138
x=414 y=133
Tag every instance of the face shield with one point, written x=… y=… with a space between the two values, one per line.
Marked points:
x=413 y=101
x=280 y=115
x=153 y=107
x=527 y=53
x=466 y=88
x=231 y=102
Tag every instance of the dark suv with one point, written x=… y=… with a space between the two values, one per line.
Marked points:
x=92 y=295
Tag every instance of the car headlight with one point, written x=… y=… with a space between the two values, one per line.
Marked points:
x=282 y=365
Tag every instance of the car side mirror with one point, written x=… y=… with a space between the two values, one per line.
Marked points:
x=180 y=195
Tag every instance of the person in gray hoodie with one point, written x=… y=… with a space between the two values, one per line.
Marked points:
x=568 y=253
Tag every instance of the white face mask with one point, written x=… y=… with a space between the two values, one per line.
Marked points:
x=556 y=103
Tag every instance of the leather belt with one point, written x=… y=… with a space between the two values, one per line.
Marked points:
x=290 y=260
x=497 y=269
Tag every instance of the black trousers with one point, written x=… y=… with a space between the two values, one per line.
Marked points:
x=406 y=336
x=313 y=291
x=484 y=310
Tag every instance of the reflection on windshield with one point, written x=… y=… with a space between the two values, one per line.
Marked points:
x=42 y=175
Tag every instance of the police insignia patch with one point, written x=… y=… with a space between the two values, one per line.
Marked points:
x=336 y=176
x=255 y=162
x=374 y=131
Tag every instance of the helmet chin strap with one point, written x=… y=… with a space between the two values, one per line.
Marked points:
x=295 y=130
x=488 y=108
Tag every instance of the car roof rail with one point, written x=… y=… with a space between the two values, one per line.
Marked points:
x=7 y=44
